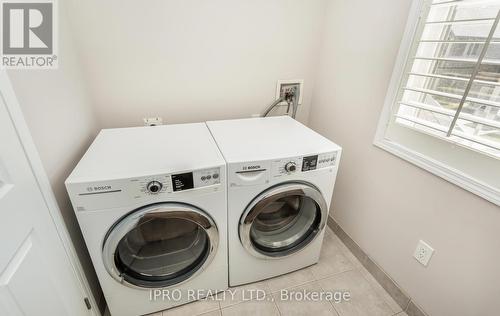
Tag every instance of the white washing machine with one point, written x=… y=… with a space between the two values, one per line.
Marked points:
x=281 y=176
x=151 y=203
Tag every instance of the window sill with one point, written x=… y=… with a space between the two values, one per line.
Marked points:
x=441 y=170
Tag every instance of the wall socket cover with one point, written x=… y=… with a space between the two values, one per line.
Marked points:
x=300 y=82
x=152 y=121
x=423 y=253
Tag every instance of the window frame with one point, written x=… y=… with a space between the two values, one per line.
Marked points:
x=442 y=169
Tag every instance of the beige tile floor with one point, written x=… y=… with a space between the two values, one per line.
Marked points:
x=337 y=269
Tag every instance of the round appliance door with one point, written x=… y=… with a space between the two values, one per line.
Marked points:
x=160 y=245
x=283 y=220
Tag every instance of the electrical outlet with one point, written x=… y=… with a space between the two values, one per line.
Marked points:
x=153 y=121
x=284 y=85
x=423 y=253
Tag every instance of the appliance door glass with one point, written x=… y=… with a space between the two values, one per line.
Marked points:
x=160 y=245
x=283 y=220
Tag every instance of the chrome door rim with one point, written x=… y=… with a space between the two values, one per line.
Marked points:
x=280 y=190
x=169 y=210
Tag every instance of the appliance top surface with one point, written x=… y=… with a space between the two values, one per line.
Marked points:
x=139 y=151
x=267 y=138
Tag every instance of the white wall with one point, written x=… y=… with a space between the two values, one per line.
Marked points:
x=195 y=60
x=62 y=123
x=387 y=204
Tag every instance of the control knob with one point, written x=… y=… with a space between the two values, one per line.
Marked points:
x=290 y=166
x=154 y=186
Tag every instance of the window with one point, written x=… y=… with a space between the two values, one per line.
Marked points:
x=442 y=109
x=452 y=87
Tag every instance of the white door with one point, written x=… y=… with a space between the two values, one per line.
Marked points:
x=36 y=276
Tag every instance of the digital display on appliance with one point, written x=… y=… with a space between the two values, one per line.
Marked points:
x=182 y=181
x=309 y=163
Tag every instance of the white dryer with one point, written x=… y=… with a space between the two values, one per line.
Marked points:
x=281 y=176
x=151 y=203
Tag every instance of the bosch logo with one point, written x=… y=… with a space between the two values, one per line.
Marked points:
x=251 y=167
x=101 y=188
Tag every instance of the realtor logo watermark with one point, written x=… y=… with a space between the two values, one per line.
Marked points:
x=29 y=34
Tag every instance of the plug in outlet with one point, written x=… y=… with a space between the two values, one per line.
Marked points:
x=423 y=253
x=284 y=86
x=153 y=121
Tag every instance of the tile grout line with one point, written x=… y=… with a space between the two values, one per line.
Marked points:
x=309 y=282
x=316 y=279
x=373 y=288
x=291 y=287
x=407 y=305
x=331 y=303
x=336 y=273
x=239 y=302
x=243 y=302
x=276 y=304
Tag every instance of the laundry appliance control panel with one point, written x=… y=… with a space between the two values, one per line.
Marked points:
x=177 y=181
x=289 y=166
x=120 y=192
x=196 y=179
x=260 y=172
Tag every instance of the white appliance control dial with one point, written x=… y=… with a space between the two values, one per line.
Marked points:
x=154 y=187
x=291 y=166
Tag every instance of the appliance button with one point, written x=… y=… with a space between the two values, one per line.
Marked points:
x=215 y=176
x=209 y=177
x=203 y=178
x=154 y=187
x=290 y=166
